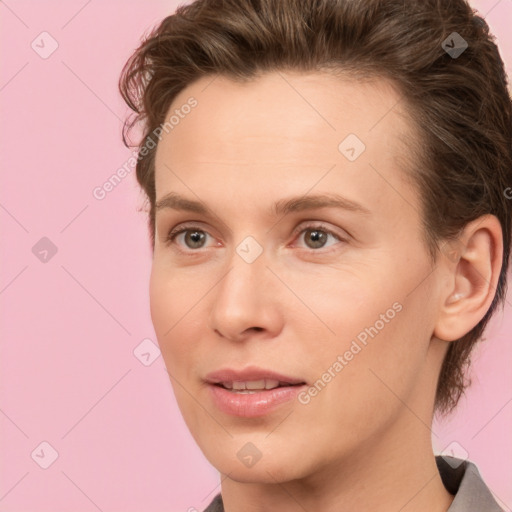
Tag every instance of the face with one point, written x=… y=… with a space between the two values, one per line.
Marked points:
x=302 y=263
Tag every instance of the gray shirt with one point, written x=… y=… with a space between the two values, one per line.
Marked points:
x=461 y=478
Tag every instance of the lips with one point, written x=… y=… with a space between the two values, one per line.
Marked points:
x=252 y=404
x=252 y=392
x=251 y=378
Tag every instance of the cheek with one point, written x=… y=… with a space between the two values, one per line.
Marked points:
x=172 y=312
x=384 y=355
x=170 y=307
x=173 y=294
x=377 y=326
x=346 y=304
x=160 y=302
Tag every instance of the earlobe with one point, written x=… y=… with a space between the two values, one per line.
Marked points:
x=473 y=277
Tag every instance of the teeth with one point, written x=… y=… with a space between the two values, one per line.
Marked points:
x=271 y=384
x=239 y=385
x=251 y=385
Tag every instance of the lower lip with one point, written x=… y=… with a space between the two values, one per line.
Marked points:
x=252 y=405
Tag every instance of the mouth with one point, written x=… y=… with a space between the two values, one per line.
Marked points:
x=251 y=392
x=254 y=386
x=251 y=378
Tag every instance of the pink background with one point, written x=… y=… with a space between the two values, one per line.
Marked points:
x=70 y=325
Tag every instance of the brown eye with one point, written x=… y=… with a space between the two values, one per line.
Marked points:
x=194 y=238
x=315 y=238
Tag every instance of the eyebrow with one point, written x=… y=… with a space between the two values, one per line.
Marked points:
x=175 y=201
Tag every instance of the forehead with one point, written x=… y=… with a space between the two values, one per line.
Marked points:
x=279 y=126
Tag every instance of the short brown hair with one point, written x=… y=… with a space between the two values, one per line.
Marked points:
x=459 y=102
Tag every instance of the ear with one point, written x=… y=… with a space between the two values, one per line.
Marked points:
x=472 y=264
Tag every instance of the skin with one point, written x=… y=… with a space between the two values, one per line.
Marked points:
x=364 y=442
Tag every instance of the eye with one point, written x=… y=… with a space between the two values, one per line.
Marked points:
x=316 y=236
x=194 y=236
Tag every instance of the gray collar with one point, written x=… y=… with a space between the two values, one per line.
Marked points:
x=462 y=478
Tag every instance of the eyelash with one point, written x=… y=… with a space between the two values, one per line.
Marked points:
x=171 y=237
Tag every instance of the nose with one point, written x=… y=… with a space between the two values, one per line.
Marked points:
x=246 y=301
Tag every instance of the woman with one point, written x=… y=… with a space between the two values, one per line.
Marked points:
x=331 y=233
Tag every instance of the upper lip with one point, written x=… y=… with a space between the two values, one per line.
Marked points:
x=252 y=373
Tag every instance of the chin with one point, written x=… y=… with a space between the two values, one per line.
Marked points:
x=267 y=470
